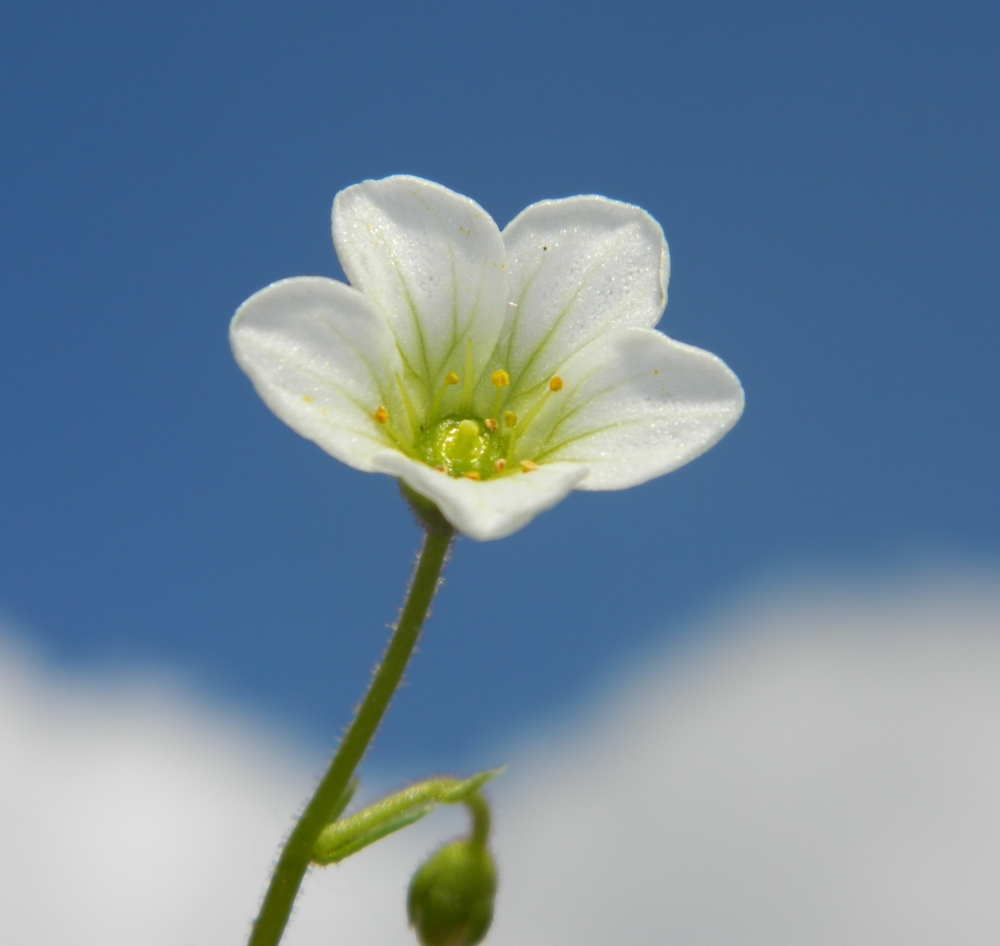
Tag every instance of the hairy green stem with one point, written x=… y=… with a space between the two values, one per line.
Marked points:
x=480 y=812
x=298 y=851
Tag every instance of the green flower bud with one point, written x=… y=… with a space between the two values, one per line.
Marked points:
x=450 y=902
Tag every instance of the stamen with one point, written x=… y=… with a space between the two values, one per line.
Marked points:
x=491 y=425
x=499 y=379
x=449 y=379
x=411 y=414
x=555 y=384
x=381 y=416
x=528 y=466
x=499 y=465
x=469 y=379
x=471 y=475
x=510 y=418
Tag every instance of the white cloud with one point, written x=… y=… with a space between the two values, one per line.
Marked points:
x=824 y=769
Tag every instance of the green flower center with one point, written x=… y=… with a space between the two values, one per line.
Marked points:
x=461 y=446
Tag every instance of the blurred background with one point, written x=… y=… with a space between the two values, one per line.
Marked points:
x=826 y=176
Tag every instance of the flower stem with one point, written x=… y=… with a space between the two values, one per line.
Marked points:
x=480 y=812
x=298 y=851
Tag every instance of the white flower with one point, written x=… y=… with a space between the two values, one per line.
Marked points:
x=491 y=372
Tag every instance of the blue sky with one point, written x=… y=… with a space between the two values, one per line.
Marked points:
x=826 y=177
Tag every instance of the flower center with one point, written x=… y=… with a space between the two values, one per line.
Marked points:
x=462 y=447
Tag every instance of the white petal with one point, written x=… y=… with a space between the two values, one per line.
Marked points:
x=433 y=262
x=637 y=405
x=578 y=267
x=323 y=359
x=492 y=509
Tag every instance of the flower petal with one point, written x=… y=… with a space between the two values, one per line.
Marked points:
x=323 y=359
x=578 y=267
x=639 y=405
x=492 y=509
x=433 y=262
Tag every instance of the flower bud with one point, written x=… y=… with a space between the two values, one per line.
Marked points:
x=450 y=902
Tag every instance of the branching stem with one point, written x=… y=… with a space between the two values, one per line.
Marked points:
x=298 y=850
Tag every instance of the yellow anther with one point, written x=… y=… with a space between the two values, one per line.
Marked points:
x=510 y=418
x=491 y=425
x=528 y=466
x=499 y=465
x=451 y=378
x=381 y=416
x=441 y=469
x=472 y=475
x=307 y=398
x=555 y=384
x=500 y=380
